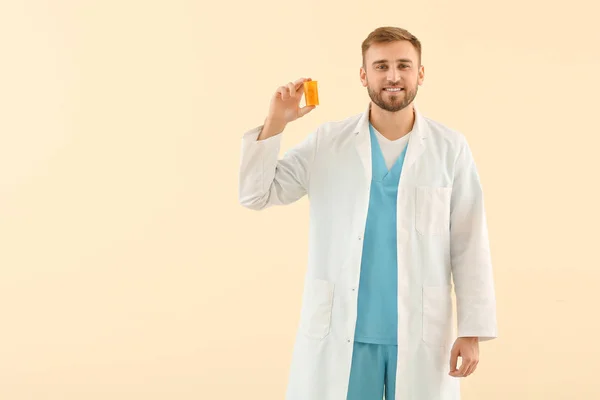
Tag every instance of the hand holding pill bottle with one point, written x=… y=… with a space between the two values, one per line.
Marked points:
x=285 y=105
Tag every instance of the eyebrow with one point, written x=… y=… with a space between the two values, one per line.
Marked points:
x=406 y=60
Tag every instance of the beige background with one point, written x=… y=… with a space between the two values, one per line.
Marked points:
x=129 y=271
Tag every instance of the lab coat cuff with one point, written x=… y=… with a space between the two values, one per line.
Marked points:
x=262 y=154
x=482 y=334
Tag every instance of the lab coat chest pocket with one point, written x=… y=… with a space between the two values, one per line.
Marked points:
x=315 y=319
x=432 y=210
x=437 y=314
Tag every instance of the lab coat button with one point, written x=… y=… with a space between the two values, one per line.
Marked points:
x=360 y=238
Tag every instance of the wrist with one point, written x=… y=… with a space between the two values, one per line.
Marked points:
x=270 y=128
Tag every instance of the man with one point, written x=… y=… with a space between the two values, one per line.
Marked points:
x=396 y=215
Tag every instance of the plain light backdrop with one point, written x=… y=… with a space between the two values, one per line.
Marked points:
x=129 y=271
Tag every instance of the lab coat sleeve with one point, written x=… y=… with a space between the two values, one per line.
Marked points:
x=265 y=179
x=470 y=252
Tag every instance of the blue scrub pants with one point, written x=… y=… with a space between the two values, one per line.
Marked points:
x=373 y=372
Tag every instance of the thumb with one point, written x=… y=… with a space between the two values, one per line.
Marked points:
x=305 y=110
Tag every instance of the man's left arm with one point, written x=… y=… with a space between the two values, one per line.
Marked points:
x=471 y=263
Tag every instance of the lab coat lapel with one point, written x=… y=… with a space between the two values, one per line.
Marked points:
x=417 y=141
x=363 y=144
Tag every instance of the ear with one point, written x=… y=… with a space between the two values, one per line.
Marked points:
x=363 y=76
x=421 y=76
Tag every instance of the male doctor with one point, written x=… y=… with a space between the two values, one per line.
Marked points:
x=397 y=222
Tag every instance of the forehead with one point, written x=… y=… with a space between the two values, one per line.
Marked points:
x=391 y=52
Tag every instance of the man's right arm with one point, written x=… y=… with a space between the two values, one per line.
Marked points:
x=264 y=179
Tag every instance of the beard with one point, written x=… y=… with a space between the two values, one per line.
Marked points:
x=396 y=102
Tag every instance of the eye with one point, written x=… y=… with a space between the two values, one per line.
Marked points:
x=404 y=65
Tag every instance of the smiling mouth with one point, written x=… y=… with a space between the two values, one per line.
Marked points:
x=393 y=90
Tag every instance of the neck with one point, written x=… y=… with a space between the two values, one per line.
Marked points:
x=392 y=125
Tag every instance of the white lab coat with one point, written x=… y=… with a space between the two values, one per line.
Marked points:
x=441 y=236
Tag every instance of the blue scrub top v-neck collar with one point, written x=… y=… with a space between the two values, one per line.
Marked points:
x=380 y=170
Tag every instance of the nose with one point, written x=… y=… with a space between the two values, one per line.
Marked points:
x=393 y=75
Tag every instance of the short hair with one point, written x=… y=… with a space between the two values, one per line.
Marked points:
x=387 y=34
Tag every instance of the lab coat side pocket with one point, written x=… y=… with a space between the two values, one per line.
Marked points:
x=315 y=318
x=437 y=315
x=432 y=210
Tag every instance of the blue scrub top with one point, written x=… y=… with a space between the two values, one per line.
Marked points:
x=377 y=319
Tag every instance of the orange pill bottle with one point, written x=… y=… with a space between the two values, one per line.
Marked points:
x=311 y=93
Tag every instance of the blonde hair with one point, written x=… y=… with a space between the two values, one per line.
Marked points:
x=386 y=34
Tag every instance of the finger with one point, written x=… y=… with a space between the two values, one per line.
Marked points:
x=300 y=82
x=305 y=110
x=285 y=94
x=464 y=367
x=453 y=360
x=292 y=89
x=458 y=370
x=455 y=372
x=472 y=368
